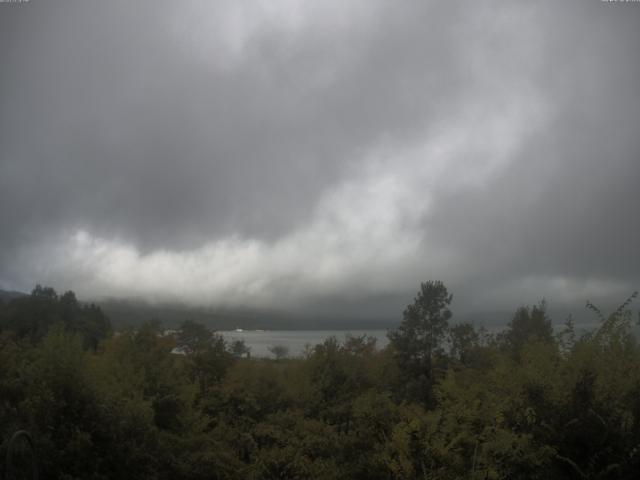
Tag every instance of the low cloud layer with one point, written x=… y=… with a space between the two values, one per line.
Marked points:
x=321 y=157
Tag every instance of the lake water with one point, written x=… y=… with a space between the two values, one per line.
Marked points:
x=295 y=340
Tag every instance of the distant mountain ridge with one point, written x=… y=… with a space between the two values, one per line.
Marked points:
x=6 y=295
x=124 y=312
x=133 y=312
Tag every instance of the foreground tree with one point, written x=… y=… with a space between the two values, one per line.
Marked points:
x=419 y=337
x=240 y=349
x=464 y=340
x=132 y=409
x=528 y=324
x=33 y=316
x=207 y=356
x=279 y=351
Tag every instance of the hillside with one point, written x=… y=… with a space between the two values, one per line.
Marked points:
x=6 y=295
x=133 y=312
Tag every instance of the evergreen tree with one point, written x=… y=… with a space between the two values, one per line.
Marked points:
x=419 y=337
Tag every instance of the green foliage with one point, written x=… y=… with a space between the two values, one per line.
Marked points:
x=419 y=337
x=32 y=317
x=207 y=355
x=523 y=404
x=528 y=324
x=239 y=349
x=279 y=351
x=464 y=342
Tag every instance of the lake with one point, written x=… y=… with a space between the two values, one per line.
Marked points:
x=295 y=340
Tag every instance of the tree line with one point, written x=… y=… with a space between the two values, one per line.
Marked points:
x=441 y=401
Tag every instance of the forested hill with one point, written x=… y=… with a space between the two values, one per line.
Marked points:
x=6 y=295
x=132 y=312
x=128 y=312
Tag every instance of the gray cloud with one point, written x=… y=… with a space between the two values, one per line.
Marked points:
x=320 y=156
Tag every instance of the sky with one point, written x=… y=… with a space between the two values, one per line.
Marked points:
x=321 y=157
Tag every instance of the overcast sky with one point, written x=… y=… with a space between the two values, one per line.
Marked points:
x=321 y=156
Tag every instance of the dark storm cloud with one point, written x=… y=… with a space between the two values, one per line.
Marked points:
x=282 y=152
x=118 y=125
x=118 y=131
x=566 y=206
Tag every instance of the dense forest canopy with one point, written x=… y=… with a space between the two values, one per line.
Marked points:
x=443 y=400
